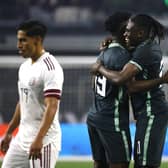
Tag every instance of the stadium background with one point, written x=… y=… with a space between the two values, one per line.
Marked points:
x=75 y=31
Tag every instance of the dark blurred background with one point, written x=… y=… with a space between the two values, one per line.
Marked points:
x=75 y=29
x=75 y=26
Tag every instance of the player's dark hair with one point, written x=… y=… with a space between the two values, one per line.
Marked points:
x=153 y=28
x=33 y=28
x=116 y=23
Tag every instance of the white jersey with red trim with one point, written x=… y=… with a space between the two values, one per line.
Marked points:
x=36 y=81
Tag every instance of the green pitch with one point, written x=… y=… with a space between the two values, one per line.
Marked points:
x=73 y=164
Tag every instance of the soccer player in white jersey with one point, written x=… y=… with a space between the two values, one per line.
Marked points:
x=40 y=80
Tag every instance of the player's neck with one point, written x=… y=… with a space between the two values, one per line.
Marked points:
x=37 y=55
x=114 y=39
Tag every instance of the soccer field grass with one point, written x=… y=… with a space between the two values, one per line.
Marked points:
x=85 y=164
x=71 y=164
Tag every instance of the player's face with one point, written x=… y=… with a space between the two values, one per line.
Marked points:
x=26 y=44
x=131 y=34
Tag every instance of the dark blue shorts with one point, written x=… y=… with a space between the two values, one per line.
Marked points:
x=149 y=139
x=110 y=146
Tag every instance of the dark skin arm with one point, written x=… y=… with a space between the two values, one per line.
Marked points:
x=14 y=123
x=117 y=77
x=126 y=76
x=49 y=114
x=145 y=85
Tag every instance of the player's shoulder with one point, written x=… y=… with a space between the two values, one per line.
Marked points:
x=148 y=47
x=47 y=57
x=26 y=63
x=116 y=47
x=49 y=61
x=116 y=50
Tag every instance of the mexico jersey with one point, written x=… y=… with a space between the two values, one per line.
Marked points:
x=37 y=81
x=110 y=105
x=148 y=57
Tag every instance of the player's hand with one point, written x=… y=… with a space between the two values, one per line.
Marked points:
x=105 y=43
x=95 y=68
x=35 y=149
x=165 y=77
x=5 y=143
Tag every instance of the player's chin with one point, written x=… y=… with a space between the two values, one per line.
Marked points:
x=127 y=42
x=24 y=55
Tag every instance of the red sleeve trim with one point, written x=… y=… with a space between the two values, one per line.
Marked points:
x=53 y=93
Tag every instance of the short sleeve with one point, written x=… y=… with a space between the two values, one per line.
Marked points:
x=101 y=56
x=53 y=80
x=141 y=57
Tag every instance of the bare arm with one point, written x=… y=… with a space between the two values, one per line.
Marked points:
x=51 y=108
x=14 y=123
x=126 y=76
x=49 y=114
x=145 y=85
x=117 y=77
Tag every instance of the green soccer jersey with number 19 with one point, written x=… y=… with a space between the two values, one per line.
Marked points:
x=110 y=110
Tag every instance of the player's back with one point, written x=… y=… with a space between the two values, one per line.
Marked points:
x=110 y=101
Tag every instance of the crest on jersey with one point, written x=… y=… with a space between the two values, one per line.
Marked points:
x=32 y=81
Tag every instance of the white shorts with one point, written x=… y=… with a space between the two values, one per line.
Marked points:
x=16 y=157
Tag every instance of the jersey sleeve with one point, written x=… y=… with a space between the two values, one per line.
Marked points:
x=147 y=56
x=53 y=81
x=140 y=57
x=115 y=58
x=101 y=56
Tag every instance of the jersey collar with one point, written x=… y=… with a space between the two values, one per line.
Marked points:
x=114 y=44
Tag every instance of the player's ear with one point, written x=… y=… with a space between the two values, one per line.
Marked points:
x=37 y=39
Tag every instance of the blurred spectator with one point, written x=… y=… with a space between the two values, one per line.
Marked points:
x=84 y=12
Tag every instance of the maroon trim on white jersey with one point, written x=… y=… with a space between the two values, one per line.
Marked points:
x=46 y=156
x=53 y=93
x=41 y=161
x=49 y=63
x=34 y=160
x=33 y=163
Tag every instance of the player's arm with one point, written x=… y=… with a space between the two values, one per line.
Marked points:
x=126 y=75
x=145 y=85
x=117 y=77
x=51 y=104
x=14 y=123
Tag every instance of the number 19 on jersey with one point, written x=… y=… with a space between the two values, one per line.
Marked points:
x=100 y=85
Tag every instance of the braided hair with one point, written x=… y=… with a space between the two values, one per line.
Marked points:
x=152 y=27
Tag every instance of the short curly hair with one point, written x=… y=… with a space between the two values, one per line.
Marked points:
x=33 y=28
x=115 y=23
